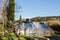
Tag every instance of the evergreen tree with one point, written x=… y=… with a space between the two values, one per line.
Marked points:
x=20 y=19
x=11 y=9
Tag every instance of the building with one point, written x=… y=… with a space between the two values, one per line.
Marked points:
x=33 y=29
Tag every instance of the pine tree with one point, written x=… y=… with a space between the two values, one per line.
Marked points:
x=20 y=19
x=11 y=9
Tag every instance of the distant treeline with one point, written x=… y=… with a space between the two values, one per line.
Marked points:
x=47 y=18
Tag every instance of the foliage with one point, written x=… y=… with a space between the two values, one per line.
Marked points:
x=27 y=37
x=1 y=38
x=0 y=29
x=20 y=19
x=38 y=19
x=22 y=38
x=10 y=10
x=55 y=36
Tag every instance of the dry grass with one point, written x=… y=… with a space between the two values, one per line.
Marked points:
x=53 y=22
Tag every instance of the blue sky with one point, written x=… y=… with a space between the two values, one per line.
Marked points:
x=1 y=6
x=34 y=8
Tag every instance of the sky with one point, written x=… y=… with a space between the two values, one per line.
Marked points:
x=35 y=8
x=2 y=3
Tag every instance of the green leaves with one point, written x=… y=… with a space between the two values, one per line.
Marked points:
x=11 y=10
x=20 y=19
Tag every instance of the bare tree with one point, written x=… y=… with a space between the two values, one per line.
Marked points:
x=4 y=14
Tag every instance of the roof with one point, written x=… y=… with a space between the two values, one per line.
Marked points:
x=35 y=25
x=41 y=25
x=28 y=25
x=44 y=26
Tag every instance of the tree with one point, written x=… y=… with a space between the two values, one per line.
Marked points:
x=10 y=15
x=11 y=9
x=20 y=19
